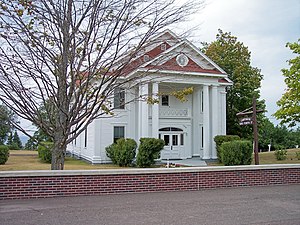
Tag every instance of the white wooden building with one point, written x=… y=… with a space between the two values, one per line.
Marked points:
x=188 y=128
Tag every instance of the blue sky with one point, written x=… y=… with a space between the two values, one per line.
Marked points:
x=265 y=26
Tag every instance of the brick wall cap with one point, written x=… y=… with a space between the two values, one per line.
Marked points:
x=45 y=173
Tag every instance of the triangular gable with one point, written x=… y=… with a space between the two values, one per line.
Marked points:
x=191 y=66
x=161 y=54
x=197 y=61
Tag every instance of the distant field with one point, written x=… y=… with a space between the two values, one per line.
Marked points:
x=269 y=157
x=28 y=160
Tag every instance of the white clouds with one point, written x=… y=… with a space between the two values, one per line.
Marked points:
x=265 y=26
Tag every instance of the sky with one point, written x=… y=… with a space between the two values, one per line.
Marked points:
x=265 y=26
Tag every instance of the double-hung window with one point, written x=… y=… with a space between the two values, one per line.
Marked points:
x=119 y=132
x=119 y=98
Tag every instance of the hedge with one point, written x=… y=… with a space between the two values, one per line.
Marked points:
x=149 y=150
x=236 y=153
x=44 y=151
x=4 y=154
x=122 y=153
x=220 y=139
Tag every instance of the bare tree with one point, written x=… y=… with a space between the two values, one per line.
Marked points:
x=68 y=56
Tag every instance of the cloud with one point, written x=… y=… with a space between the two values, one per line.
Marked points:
x=265 y=27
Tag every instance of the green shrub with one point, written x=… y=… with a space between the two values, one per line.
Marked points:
x=236 y=153
x=280 y=154
x=44 y=151
x=122 y=153
x=220 y=139
x=149 y=150
x=4 y=154
x=278 y=147
x=298 y=155
x=13 y=146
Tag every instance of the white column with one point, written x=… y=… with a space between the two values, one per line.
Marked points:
x=155 y=112
x=215 y=119
x=206 y=123
x=196 y=121
x=139 y=123
x=144 y=111
x=223 y=113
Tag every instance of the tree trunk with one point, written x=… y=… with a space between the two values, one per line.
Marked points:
x=58 y=153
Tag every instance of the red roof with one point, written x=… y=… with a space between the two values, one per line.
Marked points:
x=190 y=67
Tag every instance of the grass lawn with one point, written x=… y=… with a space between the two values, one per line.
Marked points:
x=28 y=160
x=269 y=158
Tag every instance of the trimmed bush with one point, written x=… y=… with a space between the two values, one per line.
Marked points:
x=44 y=151
x=149 y=150
x=4 y=154
x=280 y=154
x=122 y=153
x=236 y=153
x=220 y=139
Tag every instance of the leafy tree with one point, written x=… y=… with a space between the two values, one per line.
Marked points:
x=9 y=139
x=7 y=118
x=38 y=137
x=278 y=136
x=235 y=58
x=289 y=111
x=16 y=141
x=71 y=54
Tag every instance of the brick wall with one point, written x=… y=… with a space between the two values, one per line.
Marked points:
x=44 y=184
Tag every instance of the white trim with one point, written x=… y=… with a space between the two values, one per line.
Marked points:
x=182 y=73
x=47 y=173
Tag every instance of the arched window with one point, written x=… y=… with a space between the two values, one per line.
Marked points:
x=170 y=129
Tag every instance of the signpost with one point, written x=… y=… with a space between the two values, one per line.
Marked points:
x=245 y=119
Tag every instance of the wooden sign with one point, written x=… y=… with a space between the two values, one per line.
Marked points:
x=251 y=121
x=246 y=121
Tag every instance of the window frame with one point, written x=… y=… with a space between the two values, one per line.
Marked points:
x=116 y=137
x=119 y=98
x=167 y=98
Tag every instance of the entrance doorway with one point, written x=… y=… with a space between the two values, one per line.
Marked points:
x=174 y=142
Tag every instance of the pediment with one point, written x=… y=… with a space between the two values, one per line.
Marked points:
x=168 y=52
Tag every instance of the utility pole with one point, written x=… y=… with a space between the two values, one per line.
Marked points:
x=255 y=133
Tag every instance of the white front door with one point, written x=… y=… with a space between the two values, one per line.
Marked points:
x=174 y=145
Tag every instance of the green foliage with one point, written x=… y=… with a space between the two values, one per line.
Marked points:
x=14 y=142
x=44 y=151
x=6 y=119
x=122 y=153
x=280 y=154
x=38 y=137
x=17 y=141
x=149 y=150
x=236 y=153
x=235 y=58
x=4 y=154
x=220 y=139
x=298 y=155
x=279 y=136
x=289 y=111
